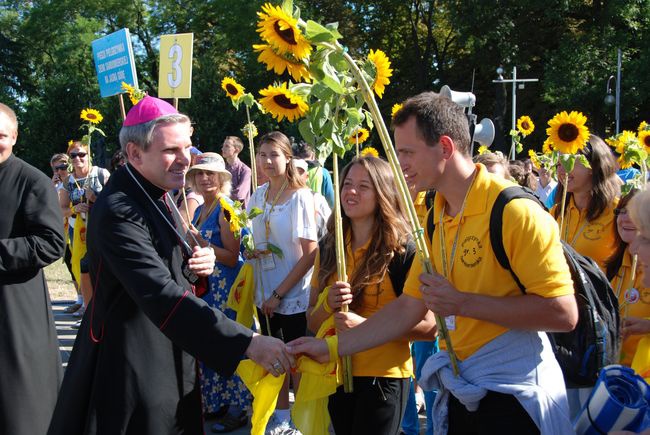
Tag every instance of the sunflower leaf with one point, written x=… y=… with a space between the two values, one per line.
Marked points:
x=354 y=115
x=339 y=146
x=287 y=6
x=317 y=33
x=568 y=162
x=255 y=211
x=369 y=120
x=583 y=161
x=322 y=92
x=331 y=80
x=274 y=249
x=247 y=99
x=334 y=29
x=304 y=127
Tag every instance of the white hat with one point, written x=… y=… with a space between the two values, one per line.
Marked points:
x=212 y=162
x=300 y=163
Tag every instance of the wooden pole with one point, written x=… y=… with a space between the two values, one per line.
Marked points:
x=121 y=98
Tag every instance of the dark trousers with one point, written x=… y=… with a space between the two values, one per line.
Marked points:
x=376 y=406
x=497 y=413
x=286 y=327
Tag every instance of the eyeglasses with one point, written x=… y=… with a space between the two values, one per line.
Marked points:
x=80 y=155
x=61 y=168
x=620 y=211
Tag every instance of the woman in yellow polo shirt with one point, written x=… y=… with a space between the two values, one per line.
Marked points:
x=633 y=296
x=375 y=233
x=592 y=196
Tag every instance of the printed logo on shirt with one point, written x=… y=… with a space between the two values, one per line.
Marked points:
x=594 y=231
x=471 y=251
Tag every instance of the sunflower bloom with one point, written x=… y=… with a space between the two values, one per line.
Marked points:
x=534 y=159
x=483 y=149
x=396 y=108
x=384 y=71
x=91 y=115
x=369 y=151
x=568 y=132
x=280 y=30
x=249 y=128
x=525 y=126
x=547 y=147
x=231 y=216
x=360 y=136
x=233 y=89
x=280 y=102
x=643 y=126
x=279 y=63
x=644 y=139
x=623 y=162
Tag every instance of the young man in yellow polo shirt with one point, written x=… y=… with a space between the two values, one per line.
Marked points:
x=509 y=380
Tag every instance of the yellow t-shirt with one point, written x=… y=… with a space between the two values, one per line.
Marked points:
x=390 y=360
x=636 y=304
x=531 y=242
x=593 y=239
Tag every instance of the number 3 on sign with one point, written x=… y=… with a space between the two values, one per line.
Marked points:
x=175 y=79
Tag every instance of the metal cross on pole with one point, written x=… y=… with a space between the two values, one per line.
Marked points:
x=515 y=81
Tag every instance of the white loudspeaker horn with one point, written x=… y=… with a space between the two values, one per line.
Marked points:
x=484 y=132
x=463 y=99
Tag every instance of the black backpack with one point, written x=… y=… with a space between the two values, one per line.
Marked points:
x=595 y=342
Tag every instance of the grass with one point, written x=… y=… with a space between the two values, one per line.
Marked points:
x=59 y=282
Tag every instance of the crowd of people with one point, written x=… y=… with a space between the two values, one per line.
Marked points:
x=158 y=345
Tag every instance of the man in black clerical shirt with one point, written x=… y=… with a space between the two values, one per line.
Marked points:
x=31 y=237
x=133 y=367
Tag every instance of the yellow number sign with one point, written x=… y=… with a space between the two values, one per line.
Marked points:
x=175 y=79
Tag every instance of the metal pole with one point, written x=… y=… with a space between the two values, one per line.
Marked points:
x=514 y=111
x=618 y=92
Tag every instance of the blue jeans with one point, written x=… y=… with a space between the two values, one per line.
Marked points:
x=421 y=350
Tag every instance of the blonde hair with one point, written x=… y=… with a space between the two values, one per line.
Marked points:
x=225 y=186
x=639 y=209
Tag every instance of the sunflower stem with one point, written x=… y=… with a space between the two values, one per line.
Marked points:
x=563 y=205
x=418 y=232
x=251 y=150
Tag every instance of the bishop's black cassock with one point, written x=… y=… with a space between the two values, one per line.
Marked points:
x=31 y=237
x=132 y=369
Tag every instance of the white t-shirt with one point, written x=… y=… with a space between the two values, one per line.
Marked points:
x=289 y=221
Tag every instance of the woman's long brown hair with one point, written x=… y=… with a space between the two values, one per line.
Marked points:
x=390 y=232
x=613 y=263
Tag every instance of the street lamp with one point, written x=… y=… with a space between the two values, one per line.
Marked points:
x=616 y=98
x=515 y=81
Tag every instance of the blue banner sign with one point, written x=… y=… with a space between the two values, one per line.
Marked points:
x=114 y=63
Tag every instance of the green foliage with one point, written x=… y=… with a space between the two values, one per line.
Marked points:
x=47 y=73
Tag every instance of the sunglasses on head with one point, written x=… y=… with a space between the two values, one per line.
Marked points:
x=61 y=167
x=620 y=211
x=81 y=155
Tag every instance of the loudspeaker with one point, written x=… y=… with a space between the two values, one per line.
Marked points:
x=484 y=132
x=463 y=99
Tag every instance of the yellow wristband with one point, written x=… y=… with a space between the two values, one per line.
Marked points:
x=333 y=347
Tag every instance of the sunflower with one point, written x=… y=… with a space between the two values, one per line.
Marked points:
x=359 y=136
x=396 y=108
x=70 y=143
x=568 y=132
x=231 y=216
x=525 y=126
x=369 y=151
x=91 y=115
x=233 y=89
x=644 y=138
x=624 y=140
x=547 y=147
x=281 y=31
x=623 y=162
x=534 y=159
x=250 y=127
x=279 y=101
x=135 y=94
x=483 y=149
x=382 y=66
x=643 y=126
x=279 y=63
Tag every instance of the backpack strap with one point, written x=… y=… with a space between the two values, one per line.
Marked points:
x=496 y=226
x=400 y=266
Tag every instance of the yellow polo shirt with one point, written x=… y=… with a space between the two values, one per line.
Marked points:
x=636 y=305
x=392 y=359
x=420 y=205
x=594 y=239
x=530 y=239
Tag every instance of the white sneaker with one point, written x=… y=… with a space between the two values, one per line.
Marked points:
x=277 y=427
